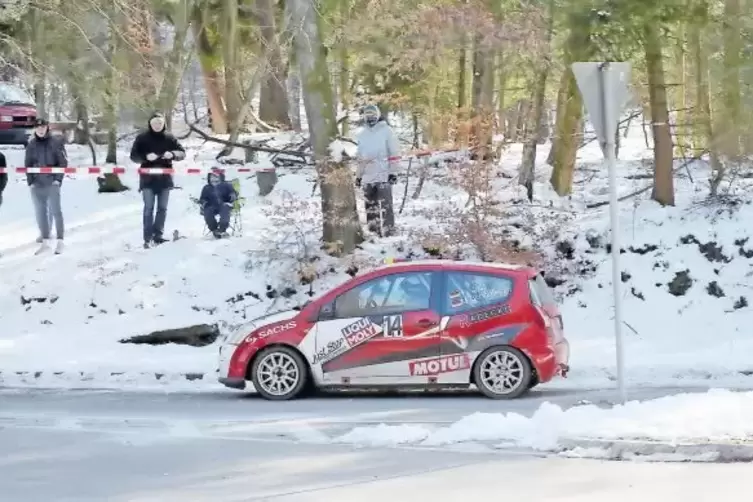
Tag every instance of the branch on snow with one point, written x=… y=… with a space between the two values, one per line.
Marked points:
x=246 y=146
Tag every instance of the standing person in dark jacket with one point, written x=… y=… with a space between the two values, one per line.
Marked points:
x=217 y=198
x=45 y=150
x=3 y=177
x=156 y=148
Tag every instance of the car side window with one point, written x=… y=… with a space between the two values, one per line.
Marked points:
x=393 y=293
x=466 y=291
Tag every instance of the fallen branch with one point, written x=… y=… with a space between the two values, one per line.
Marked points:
x=648 y=187
x=246 y=146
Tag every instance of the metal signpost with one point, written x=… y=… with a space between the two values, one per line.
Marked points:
x=604 y=90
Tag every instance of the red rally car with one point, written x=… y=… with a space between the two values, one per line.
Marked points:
x=419 y=324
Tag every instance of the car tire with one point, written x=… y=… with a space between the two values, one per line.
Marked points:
x=502 y=358
x=279 y=374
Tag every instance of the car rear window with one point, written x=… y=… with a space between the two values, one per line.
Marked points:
x=468 y=290
x=540 y=293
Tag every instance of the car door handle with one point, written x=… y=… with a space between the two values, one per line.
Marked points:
x=426 y=323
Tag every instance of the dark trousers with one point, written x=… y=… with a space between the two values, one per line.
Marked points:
x=380 y=215
x=154 y=224
x=210 y=217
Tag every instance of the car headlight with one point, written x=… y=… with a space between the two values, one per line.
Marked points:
x=237 y=336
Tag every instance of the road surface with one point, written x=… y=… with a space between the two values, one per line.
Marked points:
x=88 y=445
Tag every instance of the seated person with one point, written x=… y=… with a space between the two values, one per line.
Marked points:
x=216 y=200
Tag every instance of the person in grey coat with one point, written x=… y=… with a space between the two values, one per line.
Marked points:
x=378 y=160
x=45 y=150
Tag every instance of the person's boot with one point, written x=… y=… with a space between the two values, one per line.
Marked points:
x=59 y=247
x=146 y=245
x=39 y=240
x=217 y=234
x=42 y=248
x=158 y=239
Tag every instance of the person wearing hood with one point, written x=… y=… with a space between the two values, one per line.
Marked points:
x=378 y=160
x=216 y=200
x=44 y=150
x=156 y=148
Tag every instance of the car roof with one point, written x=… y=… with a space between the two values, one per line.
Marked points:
x=455 y=265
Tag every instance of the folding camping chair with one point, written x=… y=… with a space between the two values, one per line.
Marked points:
x=236 y=217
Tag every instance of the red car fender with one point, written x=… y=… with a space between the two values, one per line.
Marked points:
x=261 y=338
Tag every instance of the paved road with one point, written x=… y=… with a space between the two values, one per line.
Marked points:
x=223 y=447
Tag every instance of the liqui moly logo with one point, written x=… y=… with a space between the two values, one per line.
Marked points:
x=439 y=365
x=360 y=331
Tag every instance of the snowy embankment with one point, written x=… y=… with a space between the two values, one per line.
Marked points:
x=67 y=314
x=711 y=422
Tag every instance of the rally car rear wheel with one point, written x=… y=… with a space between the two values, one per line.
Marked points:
x=279 y=373
x=503 y=372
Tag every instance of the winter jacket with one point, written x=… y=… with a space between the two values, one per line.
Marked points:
x=3 y=176
x=376 y=144
x=214 y=196
x=150 y=141
x=48 y=151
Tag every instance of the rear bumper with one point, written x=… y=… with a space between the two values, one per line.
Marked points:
x=233 y=383
x=17 y=136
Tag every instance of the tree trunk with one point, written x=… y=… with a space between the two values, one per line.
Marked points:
x=703 y=130
x=730 y=119
x=294 y=98
x=344 y=67
x=561 y=97
x=38 y=31
x=273 y=100
x=175 y=65
x=482 y=100
x=230 y=56
x=569 y=126
x=663 y=191
x=533 y=129
x=681 y=95
x=341 y=228
x=209 y=60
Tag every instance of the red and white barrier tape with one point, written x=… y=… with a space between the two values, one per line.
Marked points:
x=190 y=170
x=123 y=170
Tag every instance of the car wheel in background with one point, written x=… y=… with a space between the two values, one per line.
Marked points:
x=279 y=373
x=502 y=372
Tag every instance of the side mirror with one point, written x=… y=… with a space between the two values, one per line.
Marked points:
x=327 y=312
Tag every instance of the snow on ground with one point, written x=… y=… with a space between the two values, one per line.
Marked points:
x=718 y=416
x=67 y=313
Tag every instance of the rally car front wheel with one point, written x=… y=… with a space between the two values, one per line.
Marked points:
x=279 y=373
x=503 y=372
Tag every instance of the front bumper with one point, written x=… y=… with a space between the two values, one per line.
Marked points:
x=15 y=136
x=233 y=383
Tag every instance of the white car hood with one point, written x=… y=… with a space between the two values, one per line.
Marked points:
x=236 y=337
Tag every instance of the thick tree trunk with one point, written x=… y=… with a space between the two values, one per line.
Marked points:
x=273 y=100
x=663 y=191
x=210 y=60
x=230 y=56
x=341 y=228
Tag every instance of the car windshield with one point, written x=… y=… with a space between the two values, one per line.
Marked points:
x=10 y=94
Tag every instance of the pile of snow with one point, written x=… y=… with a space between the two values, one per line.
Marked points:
x=718 y=416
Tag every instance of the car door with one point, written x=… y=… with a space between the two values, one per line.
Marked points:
x=371 y=333
x=474 y=305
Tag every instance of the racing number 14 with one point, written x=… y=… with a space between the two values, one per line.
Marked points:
x=392 y=326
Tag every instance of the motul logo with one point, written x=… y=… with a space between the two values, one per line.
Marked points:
x=444 y=364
